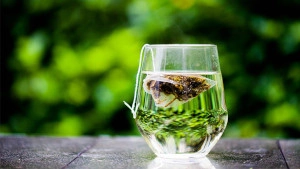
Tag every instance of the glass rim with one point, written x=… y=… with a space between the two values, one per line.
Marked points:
x=181 y=45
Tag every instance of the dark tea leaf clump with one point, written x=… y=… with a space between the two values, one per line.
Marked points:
x=172 y=90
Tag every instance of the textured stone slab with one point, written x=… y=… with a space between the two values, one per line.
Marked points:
x=133 y=152
x=291 y=152
x=117 y=153
x=40 y=152
x=246 y=153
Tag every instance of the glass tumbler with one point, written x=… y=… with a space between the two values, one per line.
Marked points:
x=179 y=103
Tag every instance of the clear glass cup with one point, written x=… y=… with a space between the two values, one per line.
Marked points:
x=179 y=103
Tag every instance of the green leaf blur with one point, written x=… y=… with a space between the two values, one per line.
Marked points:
x=68 y=65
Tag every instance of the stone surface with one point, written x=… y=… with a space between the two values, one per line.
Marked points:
x=244 y=153
x=133 y=153
x=291 y=151
x=117 y=153
x=40 y=152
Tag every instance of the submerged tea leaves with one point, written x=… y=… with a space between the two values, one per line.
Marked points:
x=193 y=125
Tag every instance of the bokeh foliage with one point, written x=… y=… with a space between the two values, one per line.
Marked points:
x=68 y=65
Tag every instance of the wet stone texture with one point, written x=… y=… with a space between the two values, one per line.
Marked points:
x=133 y=153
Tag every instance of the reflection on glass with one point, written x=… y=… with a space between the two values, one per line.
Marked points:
x=162 y=163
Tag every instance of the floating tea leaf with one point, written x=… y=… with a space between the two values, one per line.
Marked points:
x=170 y=90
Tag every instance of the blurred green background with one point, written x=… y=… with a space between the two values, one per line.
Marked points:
x=68 y=65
